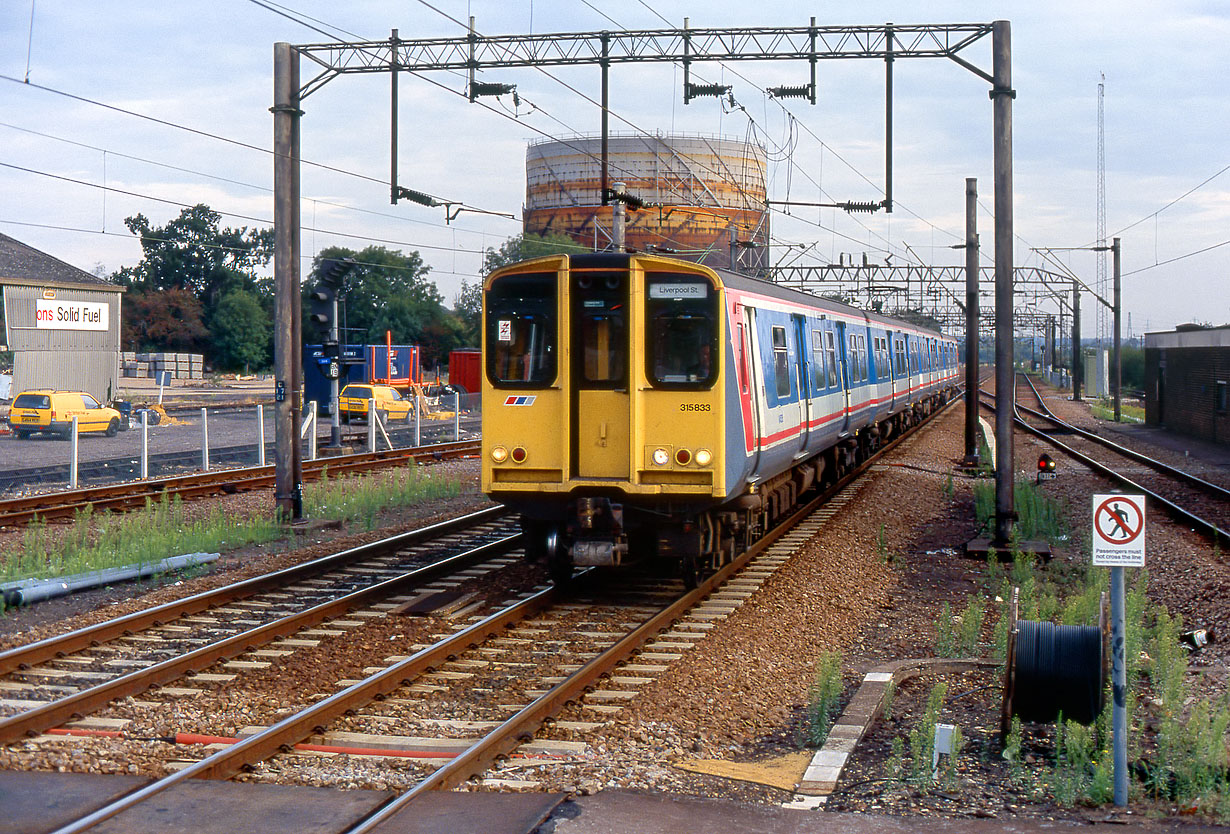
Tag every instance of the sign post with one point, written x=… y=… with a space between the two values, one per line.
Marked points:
x=1119 y=542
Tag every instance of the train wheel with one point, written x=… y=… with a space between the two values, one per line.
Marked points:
x=559 y=562
x=689 y=567
x=534 y=534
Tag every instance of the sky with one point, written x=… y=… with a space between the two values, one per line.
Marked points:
x=73 y=166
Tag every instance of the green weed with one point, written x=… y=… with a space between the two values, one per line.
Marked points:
x=823 y=698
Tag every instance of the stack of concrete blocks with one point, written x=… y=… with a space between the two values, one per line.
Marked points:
x=149 y=365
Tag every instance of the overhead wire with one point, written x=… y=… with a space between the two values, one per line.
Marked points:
x=218 y=246
x=248 y=217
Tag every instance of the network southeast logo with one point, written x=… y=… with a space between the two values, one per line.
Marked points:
x=515 y=400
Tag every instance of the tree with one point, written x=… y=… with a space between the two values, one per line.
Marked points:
x=162 y=319
x=388 y=290
x=194 y=253
x=468 y=310
x=242 y=335
x=525 y=247
x=188 y=267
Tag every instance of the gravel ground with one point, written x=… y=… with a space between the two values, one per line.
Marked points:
x=871 y=585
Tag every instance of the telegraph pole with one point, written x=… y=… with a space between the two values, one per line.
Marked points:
x=971 y=322
x=1118 y=312
x=288 y=474
x=1005 y=388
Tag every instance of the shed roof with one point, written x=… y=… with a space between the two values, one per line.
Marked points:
x=22 y=264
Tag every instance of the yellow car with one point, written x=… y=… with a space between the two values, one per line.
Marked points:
x=53 y=412
x=352 y=402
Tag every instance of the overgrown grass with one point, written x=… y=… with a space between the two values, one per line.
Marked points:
x=823 y=699
x=1039 y=516
x=94 y=542
x=1105 y=410
x=163 y=528
x=960 y=636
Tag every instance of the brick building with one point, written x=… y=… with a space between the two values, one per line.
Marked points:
x=1187 y=371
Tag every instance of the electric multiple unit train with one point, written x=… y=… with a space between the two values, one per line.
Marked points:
x=641 y=407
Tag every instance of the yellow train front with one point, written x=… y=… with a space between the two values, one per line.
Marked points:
x=602 y=414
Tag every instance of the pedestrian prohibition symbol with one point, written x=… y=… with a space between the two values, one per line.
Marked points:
x=1119 y=531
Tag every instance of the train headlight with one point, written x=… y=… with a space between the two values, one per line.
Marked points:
x=661 y=457
x=499 y=454
x=519 y=454
x=683 y=457
x=704 y=457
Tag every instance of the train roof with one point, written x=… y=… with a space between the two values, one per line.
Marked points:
x=744 y=283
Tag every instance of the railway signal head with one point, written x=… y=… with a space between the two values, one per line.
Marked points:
x=333 y=272
x=321 y=314
x=1046 y=467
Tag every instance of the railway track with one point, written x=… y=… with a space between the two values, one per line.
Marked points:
x=49 y=682
x=1187 y=498
x=562 y=647
x=135 y=494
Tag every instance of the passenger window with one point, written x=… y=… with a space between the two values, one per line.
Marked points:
x=742 y=361
x=817 y=355
x=830 y=348
x=89 y=402
x=521 y=325
x=781 y=362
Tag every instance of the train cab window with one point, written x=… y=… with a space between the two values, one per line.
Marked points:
x=681 y=312
x=600 y=310
x=781 y=362
x=521 y=328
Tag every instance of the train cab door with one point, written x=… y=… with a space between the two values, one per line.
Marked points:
x=806 y=403
x=601 y=405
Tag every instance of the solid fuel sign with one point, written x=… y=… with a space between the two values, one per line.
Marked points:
x=50 y=314
x=1119 y=531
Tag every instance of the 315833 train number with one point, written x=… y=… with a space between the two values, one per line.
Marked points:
x=695 y=407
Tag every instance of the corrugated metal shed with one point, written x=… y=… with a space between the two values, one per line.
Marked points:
x=75 y=343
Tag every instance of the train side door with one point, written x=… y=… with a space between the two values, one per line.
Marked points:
x=837 y=352
x=806 y=404
x=601 y=405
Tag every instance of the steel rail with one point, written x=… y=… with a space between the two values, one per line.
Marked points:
x=1177 y=512
x=508 y=735
x=135 y=494
x=23 y=657
x=1165 y=468
x=519 y=728
x=87 y=700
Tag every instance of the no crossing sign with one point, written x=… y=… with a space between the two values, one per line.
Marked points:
x=1119 y=531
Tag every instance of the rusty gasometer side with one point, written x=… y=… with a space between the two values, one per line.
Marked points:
x=704 y=196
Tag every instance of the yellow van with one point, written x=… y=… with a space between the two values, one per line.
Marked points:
x=53 y=412
x=352 y=402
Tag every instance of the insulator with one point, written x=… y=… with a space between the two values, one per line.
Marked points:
x=856 y=207
x=790 y=92
x=716 y=90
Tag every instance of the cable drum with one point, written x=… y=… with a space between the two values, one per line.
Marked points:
x=1057 y=669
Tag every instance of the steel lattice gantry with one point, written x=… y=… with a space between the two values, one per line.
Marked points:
x=474 y=51
x=934 y=290
x=806 y=43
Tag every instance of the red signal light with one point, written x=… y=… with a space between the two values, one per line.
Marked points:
x=1045 y=463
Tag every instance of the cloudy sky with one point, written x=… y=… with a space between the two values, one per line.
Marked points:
x=72 y=169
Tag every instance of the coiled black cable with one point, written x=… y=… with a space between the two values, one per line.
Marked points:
x=1057 y=669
